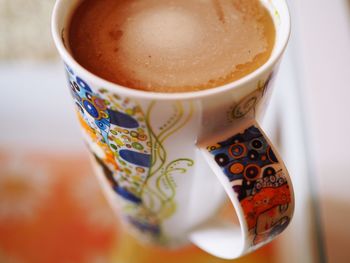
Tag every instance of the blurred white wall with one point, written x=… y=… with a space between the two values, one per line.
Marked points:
x=322 y=29
x=36 y=108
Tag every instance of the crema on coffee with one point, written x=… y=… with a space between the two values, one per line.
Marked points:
x=171 y=45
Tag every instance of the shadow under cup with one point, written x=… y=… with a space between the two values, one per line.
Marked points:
x=158 y=156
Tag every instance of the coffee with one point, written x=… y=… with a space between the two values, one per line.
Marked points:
x=171 y=45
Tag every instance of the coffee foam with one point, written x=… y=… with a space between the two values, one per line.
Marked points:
x=170 y=46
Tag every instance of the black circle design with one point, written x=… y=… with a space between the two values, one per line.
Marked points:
x=253 y=155
x=251 y=172
x=257 y=144
x=269 y=171
x=222 y=159
x=237 y=150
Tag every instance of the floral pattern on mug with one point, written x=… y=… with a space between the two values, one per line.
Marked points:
x=130 y=152
x=258 y=180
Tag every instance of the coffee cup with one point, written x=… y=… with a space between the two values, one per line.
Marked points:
x=168 y=161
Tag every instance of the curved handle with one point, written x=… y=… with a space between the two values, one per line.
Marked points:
x=259 y=187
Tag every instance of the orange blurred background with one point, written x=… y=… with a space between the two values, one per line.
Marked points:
x=52 y=210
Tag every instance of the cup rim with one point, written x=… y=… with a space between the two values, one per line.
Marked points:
x=122 y=90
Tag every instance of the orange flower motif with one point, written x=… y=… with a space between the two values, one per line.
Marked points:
x=109 y=155
x=87 y=128
x=263 y=201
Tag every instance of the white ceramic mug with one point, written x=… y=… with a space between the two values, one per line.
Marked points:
x=168 y=161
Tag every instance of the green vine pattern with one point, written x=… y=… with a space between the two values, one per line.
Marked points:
x=160 y=197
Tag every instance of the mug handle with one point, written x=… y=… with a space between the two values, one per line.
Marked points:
x=259 y=187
